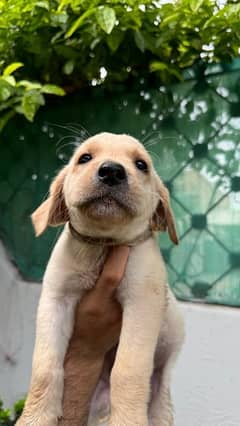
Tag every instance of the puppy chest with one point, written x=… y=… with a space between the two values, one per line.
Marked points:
x=143 y=278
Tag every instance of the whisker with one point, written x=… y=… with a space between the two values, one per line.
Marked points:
x=162 y=140
x=67 y=144
x=68 y=128
x=67 y=137
x=151 y=143
x=79 y=131
x=150 y=134
x=81 y=127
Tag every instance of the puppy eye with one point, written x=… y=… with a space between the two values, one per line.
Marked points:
x=141 y=165
x=84 y=158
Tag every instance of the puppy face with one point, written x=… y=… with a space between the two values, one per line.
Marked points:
x=109 y=188
x=110 y=179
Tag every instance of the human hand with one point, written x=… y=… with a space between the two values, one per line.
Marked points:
x=99 y=315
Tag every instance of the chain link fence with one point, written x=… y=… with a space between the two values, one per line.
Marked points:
x=192 y=131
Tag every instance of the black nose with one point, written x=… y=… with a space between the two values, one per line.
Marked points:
x=112 y=173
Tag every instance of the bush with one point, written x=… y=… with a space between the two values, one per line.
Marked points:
x=74 y=43
x=9 y=417
x=23 y=96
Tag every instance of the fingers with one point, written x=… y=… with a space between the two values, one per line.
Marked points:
x=113 y=270
x=116 y=263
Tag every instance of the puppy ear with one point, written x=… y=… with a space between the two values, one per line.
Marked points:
x=163 y=218
x=53 y=211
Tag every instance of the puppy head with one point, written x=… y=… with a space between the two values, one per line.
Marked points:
x=109 y=188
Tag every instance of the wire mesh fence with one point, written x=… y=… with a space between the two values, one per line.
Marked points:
x=192 y=131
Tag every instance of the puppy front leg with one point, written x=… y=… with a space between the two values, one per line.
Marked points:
x=130 y=378
x=161 y=408
x=54 y=327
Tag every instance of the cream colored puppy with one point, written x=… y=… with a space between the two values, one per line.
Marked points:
x=108 y=194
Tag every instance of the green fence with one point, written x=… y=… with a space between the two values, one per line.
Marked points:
x=192 y=131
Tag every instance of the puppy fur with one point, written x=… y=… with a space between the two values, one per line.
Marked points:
x=134 y=388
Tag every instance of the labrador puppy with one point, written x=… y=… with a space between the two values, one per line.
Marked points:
x=109 y=194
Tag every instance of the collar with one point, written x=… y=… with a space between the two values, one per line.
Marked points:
x=108 y=241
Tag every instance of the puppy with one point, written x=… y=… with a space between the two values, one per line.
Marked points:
x=108 y=194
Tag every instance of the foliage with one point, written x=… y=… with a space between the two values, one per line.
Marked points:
x=23 y=96
x=9 y=417
x=73 y=43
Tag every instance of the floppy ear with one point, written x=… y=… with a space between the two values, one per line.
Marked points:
x=163 y=218
x=53 y=211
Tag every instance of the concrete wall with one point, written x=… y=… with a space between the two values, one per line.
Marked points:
x=18 y=303
x=206 y=381
x=206 y=385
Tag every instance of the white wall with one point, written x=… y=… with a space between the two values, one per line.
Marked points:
x=206 y=382
x=206 y=386
x=18 y=302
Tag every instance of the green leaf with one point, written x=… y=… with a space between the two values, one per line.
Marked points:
x=68 y=67
x=139 y=40
x=31 y=102
x=51 y=89
x=11 y=68
x=62 y=4
x=5 y=118
x=208 y=22
x=170 y=19
x=77 y=24
x=18 y=109
x=174 y=71
x=94 y=43
x=162 y=66
x=59 y=19
x=106 y=18
x=158 y=66
x=115 y=39
x=196 y=4
x=10 y=79
x=232 y=10
x=10 y=103
x=18 y=407
x=29 y=85
x=5 y=415
x=6 y=90
x=43 y=4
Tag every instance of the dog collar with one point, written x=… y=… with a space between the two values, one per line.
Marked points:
x=108 y=241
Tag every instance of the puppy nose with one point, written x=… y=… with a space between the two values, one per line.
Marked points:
x=112 y=173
